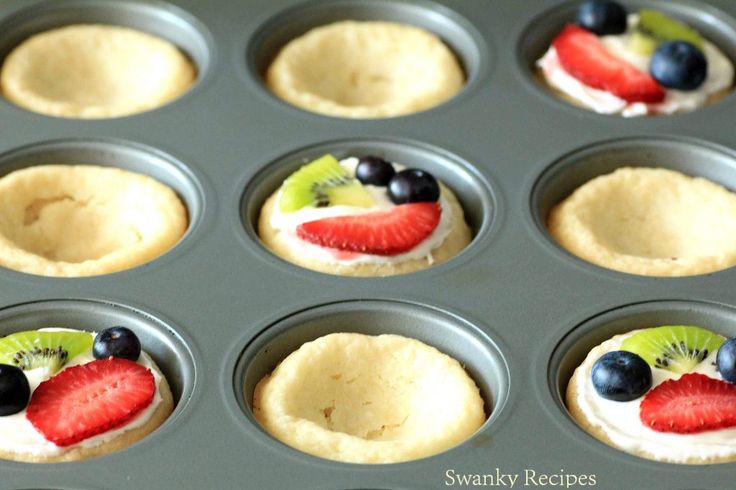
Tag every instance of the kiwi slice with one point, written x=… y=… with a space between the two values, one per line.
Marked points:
x=665 y=28
x=642 y=43
x=677 y=348
x=50 y=349
x=321 y=183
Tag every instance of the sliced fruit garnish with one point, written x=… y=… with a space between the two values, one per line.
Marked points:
x=390 y=232
x=674 y=348
x=641 y=43
x=585 y=58
x=89 y=399
x=51 y=349
x=665 y=28
x=693 y=403
x=322 y=182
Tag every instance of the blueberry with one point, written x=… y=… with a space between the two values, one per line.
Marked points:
x=679 y=65
x=726 y=360
x=621 y=376
x=374 y=171
x=116 y=342
x=602 y=17
x=413 y=185
x=14 y=390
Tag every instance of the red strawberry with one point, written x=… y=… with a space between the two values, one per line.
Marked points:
x=89 y=399
x=693 y=403
x=584 y=57
x=379 y=233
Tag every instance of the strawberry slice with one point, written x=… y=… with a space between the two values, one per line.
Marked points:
x=693 y=403
x=89 y=399
x=379 y=233
x=584 y=57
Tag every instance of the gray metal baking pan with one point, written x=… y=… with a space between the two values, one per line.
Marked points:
x=218 y=310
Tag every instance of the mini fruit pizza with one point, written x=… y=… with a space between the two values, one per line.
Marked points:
x=638 y=63
x=663 y=393
x=67 y=395
x=363 y=217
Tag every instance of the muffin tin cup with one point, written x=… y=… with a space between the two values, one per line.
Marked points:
x=537 y=34
x=477 y=353
x=574 y=347
x=124 y=155
x=481 y=205
x=154 y=17
x=513 y=306
x=161 y=341
x=466 y=42
x=688 y=156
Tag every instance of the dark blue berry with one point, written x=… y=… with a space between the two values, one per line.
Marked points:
x=621 y=376
x=374 y=171
x=413 y=185
x=726 y=360
x=679 y=65
x=116 y=342
x=14 y=390
x=602 y=17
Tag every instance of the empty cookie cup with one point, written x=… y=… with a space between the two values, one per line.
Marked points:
x=365 y=69
x=95 y=71
x=649 y=221
x=83 y=220
x=369 y=399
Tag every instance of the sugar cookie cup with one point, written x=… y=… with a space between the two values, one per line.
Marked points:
x=372 y=68
x=649 y=221
x=318 y=342
x=95 y=71
x=364 y=399
x=82 y=220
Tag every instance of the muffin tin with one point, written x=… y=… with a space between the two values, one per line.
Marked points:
x=219 y=310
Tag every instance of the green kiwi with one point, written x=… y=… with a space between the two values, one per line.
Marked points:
x=674 y=348
x=642 y=43
x=321 y=183
x=665 y=28
x=50 y=349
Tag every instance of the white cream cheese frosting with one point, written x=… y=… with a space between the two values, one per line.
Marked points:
x=17 y=434
x=621 y=423
x=287 y=223
x=720 y=77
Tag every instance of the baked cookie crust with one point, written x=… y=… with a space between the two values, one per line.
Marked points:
x=365 y=70
x=94 y=71
x=83 y=220
x=369 y=399
x=649 y=221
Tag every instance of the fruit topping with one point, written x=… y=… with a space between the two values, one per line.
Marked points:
x=674 y=348
x=374 y=171
x=641 y=43
x=321 y=183
x=679 y=65
x=726 y=360
x=116 y=342
x=693 y=403
x=390 y=232
x=50 y=349
x=602 y=17
x=413 y=185
x=89 y=399
x=584 y=57
x=665 y=28
x=621 y=376
x=14 y=390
